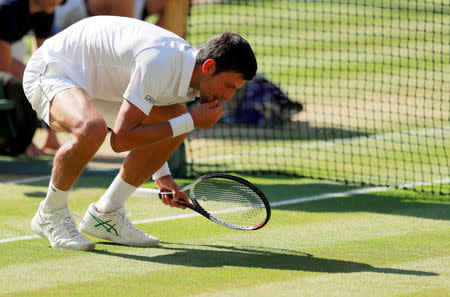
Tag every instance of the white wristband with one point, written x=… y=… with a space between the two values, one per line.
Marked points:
x=182 y=124
x=163 y=171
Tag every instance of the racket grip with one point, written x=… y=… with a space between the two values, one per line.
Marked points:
x=165 y=193
x=153 y=193
x=179 y=202
x=146 y=193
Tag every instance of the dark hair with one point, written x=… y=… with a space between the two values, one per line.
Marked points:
x=231 y=52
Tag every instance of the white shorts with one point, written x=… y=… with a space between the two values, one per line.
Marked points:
x=42 y=81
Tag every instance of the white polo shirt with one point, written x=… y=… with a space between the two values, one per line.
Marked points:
x=112 y=58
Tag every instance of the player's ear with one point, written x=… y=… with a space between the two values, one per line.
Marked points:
x=209 y=67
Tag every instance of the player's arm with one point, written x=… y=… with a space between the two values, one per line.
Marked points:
x=130 y=133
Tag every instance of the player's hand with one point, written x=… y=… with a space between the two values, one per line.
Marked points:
x=207 y=114
x=166 y=183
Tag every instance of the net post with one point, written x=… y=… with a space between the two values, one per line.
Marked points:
x=176 y=21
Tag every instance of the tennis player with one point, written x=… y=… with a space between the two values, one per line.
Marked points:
x=130 y=76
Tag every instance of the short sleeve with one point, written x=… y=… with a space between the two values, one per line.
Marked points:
x=150 y=76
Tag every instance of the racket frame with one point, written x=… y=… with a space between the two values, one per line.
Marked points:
x=196 y=206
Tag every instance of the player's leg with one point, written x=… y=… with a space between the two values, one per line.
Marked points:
x=137 y=168
x=58 y=101
x=69 y=112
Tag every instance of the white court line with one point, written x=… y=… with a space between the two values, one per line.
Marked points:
x=273 y=204
x=356 y=192
x=19 y=238
x=26 y=180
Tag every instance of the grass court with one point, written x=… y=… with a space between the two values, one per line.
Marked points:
x=379 y=243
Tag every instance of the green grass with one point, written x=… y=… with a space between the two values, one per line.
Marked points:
x=392 y=243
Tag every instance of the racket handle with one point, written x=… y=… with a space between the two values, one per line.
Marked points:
x=153 y=193
x=146 y=193
x=150 y=193
x=165 y=193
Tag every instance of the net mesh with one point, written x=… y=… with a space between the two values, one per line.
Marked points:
x=373 y=80
x=230 y=201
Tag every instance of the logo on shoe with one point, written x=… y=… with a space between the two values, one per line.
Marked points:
x=105 y=224
x=45 y=224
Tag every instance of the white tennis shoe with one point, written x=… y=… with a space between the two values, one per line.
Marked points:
x=115 y=227
x=60 y=230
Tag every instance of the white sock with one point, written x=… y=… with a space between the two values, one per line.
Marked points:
x=115 y=197
x=56 y=199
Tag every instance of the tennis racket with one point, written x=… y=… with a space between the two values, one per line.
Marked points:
x=225 y=199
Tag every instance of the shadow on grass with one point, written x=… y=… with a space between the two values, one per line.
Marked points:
x=278 y=259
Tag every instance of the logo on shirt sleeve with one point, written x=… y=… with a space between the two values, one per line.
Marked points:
x=150 y=99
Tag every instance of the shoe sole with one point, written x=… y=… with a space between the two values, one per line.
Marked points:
x=89 y=247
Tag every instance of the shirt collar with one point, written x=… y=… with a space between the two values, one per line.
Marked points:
x=184 y=90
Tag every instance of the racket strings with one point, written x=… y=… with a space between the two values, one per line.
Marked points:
x=230 y=201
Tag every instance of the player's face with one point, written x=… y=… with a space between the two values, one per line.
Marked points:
x=221 y=85
x=48 y=6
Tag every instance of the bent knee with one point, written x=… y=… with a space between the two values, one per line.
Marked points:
x=92 y=131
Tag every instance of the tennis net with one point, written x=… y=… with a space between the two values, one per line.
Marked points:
x=362 y=92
